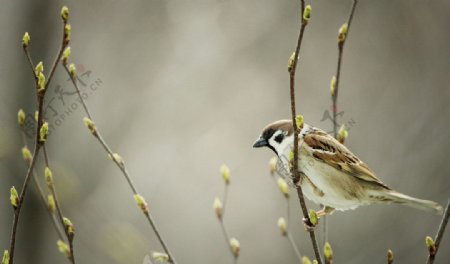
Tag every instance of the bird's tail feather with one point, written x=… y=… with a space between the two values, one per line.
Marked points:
x=400 y=198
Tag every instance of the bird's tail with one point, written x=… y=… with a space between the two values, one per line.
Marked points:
x=400 y=198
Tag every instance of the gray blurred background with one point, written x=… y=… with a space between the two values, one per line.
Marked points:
x=179 y=87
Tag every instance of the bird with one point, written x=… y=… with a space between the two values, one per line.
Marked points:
x=331 y=174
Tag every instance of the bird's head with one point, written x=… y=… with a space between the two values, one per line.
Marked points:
x=277 y=136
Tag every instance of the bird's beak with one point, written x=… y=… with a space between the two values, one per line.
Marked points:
x=260 y=142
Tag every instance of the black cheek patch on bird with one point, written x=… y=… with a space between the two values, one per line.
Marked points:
x=279 y=138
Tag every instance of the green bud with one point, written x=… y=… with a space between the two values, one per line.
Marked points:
x=282 y=225
x=117 y=158
x=342 y=134
x=14 y=197
x=66 y=55
x=430 y=245
x=63 y=248
x=328 y=253
x=291 y=62
x=283 y=186
x=21 y=118
x=307 y=13
x=342 y=33
x=43 y=133
x=333 y=85
x=299 y=121
x=306 y=260
x=51 y=203
x=65 y=13
x=25 y=40
x=273 y=165
x=39 y=68
x=218 y=207
x=141 y=203
x=390 y=256
x=235 y=246
x=67 y=33
x=313 y=218
x=26 y=154
x=48 y=177
x=161 y=257
x=225 y=171
x=41 y=82
x=5 y=259
x=69 y=227
x=90 y=125
x=72 y=70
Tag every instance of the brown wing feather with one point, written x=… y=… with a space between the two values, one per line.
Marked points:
x=329 y=150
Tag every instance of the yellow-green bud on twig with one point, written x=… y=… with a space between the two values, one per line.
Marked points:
x=158 y=256
x=36 y=115
x=342 y=33
x=390 y=256
x=14 y=197
x=218 y=207
x=306 y=260
x=328 y=253
x=41 y=82
x=235 y=246
x=21 y=118
x=273 y=165
x=72 y=70
x=141 y=203
x=63 y=248
x=430 y=245
x=307 y=13
x=51 y=203
x=43 y=132
x=313 y=218
x=282 y=225
x=333 y=85
x=67 y=33
x=342 y=134
x=299 y=121
x=39 y=68
x=48 y=177
x=25 y=40
x=291 y=62
x=5 y=259
x=90 y=125
x=117 y=158
x=66 y=55
x=225 y=171
x=65 y=13
x=26 y=154
x=283 y=186
x=69 y=227
x=315 y=262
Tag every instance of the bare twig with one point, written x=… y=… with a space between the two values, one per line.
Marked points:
x=295 y=172
x=334 y=95
x=222 y=224
x=121 y=166
x=440 y=233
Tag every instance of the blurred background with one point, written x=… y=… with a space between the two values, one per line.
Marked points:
x=180 y=87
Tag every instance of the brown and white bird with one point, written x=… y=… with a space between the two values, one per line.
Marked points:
x=332 y=174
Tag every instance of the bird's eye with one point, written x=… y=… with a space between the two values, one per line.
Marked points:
x=279 y=138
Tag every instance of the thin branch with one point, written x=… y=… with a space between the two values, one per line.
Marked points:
x=295 y=172
x=440 y=233
x=288 y=233
x=222 y=224
x=41 y=192
x=121 y=166
x=334 y=95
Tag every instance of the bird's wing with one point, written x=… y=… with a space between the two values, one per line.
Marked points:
x=330 y=151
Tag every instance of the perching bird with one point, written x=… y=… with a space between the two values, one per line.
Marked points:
x=332 y=175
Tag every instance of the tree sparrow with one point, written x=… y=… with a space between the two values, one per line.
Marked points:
x=331 y=174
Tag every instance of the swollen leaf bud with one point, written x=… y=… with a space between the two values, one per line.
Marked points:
x=430 y=245
x=25 y=40
x=5 y=259
x=342 y=134
x=141 y=203
x=14 y=197
x=283 y=186
x=225 y=171
x=39 y=68
x=21 y=118
x=299 y=121
x=48 y=177
x=26 y=154
x=36 y=115
x=291 y=62
x=66 y=55
x=390 y=256
x=218 y=207
x=306 y=260
x=333 y=85
x=282 y=225
x=117 y=158
x=41 y=82
x=342 y=33
x=51 y=203
x=313 y=218
x=63 y=248
x=328 y=253
x=65 y=13
x=161 y=257
x=273 y=165
x=90 y=125
x=307 y=13
x=69 y=227
x=235 y=246
x=67 y=33
x=72 y=70
x=43 y=132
